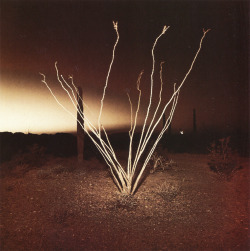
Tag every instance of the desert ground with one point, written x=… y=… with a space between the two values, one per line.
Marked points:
x=62 y=205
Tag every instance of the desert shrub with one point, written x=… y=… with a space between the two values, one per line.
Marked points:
x=125 y=202
x=221 y=158
x=159 y=163
x=168 y=191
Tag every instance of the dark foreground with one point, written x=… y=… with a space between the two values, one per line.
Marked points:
x=62 y=206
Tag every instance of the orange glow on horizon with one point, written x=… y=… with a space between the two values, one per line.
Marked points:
x=32 y=109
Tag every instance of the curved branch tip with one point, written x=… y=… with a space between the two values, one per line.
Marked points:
x=164 y=29
x=206 y=30
x=115 y=25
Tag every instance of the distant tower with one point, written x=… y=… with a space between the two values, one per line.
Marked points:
x=194 y=121
x=80 y=131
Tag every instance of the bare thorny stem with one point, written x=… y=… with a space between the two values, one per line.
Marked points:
x=127 y=181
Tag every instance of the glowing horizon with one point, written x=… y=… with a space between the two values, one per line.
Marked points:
x=34 y=110
x=27 y=106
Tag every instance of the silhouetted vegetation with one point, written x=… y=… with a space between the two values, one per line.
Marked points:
x=64 y=144
x=222 y=160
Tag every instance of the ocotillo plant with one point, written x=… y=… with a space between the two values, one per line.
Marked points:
x=127 y=178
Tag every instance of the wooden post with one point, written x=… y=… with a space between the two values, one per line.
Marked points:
x=80 y=131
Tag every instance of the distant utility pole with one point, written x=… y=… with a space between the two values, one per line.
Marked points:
x=194 y=121
x=80 y=131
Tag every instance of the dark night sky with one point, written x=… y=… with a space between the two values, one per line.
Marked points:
x=80 y=36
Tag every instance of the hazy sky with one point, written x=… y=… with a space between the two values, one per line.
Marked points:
x=79 y=35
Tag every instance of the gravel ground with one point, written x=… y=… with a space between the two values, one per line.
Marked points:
x=63 y=206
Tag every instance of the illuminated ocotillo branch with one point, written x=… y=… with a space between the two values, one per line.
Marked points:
x=146 y=139
x=70 y=113
x=158 y=105
x=130 y=135
x=115 y=24
x=127 y=181
x=93 y=129
x=106 y=150
x=107 y=78
x=174 y=98
x=76 y=90
x=152 y=120
x=157 y=141
x=139 y=151
x=133 y=126
x=107 y=157
x=74 y=99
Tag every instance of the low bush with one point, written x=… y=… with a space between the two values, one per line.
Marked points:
x=168 y=191
x=222 y=158
x=159 y=163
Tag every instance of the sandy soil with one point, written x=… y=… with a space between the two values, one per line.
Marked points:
x=64 y=206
